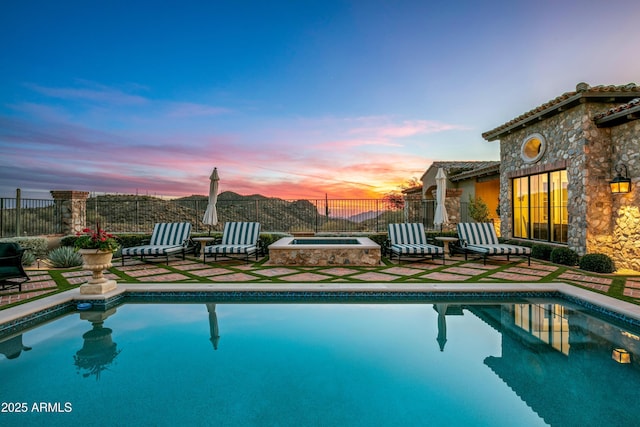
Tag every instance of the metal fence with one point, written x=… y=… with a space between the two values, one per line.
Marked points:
x=28 y=217
x=138 y=214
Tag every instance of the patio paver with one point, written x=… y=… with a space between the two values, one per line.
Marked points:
x=455 y=270
x=516 y=277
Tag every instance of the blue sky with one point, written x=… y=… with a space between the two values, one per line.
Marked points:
x=287 y=98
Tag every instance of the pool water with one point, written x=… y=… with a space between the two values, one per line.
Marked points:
x=524 y=364
x=332 y=241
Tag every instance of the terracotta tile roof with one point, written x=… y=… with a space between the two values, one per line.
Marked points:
x=566 y=100
x=630 y=107
x=491 y=168
x=468 y=167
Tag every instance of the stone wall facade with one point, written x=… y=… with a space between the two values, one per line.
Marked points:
x=626 y=207
x=599 y=221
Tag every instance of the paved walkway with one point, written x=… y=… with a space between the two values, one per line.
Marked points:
x=456 y=269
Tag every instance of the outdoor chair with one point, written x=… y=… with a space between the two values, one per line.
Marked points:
x=481 y=238
x=167 y=239
x=238 y=238
x=409 y=239
x=11 y=266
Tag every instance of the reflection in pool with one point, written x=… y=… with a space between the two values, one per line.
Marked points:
x=539 y=363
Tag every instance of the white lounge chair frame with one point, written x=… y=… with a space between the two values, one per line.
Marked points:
x=238 y=238
x=409 y=239
x=481 y=238
x=167 y=239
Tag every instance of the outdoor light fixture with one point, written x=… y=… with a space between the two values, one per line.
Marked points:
x=621 y=183
x=621 y=355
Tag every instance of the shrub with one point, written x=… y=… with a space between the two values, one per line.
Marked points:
x=598 y=263
x=65 y=257
x=28 y=258
x=269 y=238
x=379 y=238
x=478 y=209
x=564 y=256
x=542 y=252
x=36 y=245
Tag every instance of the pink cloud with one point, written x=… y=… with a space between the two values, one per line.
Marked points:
x=144 y=152
x=406 y=128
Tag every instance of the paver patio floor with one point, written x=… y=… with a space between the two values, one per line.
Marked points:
x=193 y=270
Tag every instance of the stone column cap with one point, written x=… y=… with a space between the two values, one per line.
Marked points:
x=69 y=194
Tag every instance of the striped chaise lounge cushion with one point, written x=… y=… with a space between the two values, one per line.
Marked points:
x=166 y=239
x=410 y=239
x=481 y=237
x=238 y=238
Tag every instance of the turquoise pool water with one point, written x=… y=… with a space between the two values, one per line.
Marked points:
x=524 y=364
x=332 y=241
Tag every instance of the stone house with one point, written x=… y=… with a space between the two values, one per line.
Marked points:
x=475 y=179
x=556 y=165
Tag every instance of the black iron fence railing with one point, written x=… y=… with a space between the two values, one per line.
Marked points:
x=28 y=217
x=138 y=214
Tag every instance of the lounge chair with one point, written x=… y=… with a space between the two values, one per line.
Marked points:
x=238 y=238
x=167 y=239
x=11 y=266
x=411 y=240
x=481 y=238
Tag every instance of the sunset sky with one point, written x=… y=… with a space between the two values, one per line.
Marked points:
x=291 y=99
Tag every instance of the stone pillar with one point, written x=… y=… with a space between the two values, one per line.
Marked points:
x=72 y=206
x=452 y=205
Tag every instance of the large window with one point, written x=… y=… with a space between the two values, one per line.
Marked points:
x=540 y=207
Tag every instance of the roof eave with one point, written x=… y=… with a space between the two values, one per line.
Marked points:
x=563 y=105
x=619 y=117
x=489 y=170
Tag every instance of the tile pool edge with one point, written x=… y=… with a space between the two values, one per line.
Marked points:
x=19 y=317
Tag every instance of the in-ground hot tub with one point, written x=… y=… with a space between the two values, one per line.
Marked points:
x=324 y=251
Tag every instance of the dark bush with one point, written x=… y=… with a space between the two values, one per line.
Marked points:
x=379 y=238
x=542 y=252
x=564 y=256
x=598 y=263
x=269 y=238
x=516 y=242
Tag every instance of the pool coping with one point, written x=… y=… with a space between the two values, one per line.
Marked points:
x=13 y=318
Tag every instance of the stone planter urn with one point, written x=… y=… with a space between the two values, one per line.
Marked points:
x=97 y=261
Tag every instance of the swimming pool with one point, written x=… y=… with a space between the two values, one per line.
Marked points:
x=529 y=362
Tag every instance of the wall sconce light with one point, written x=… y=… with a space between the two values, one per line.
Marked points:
x=621 y=355
x=621 y=183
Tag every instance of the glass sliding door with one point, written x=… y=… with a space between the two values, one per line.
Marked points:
x=559 y=218
x=540 y=207
x=521 y=207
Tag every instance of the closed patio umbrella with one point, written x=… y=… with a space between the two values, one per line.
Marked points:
x=442 y=325
x=211 y=214
x=213 y=325
x=440 y=217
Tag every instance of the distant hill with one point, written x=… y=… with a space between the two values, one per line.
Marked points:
x=125 y=213
x=364 y=216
